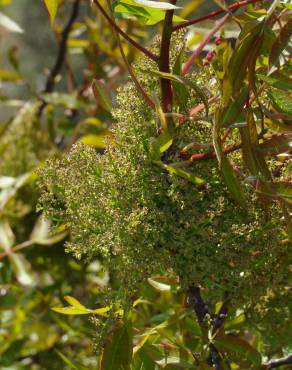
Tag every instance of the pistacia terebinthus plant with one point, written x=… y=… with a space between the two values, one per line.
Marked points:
x=188 y=184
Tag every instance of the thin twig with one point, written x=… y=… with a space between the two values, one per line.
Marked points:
x=18 y=247
x=61 y=56
x=232 y=7
x=147 y=98
x=203 y=43
x=138 y=46
x=62 y=49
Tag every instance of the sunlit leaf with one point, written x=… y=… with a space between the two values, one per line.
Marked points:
x=158 y=285
x=74 y=302
x=52 y=6
x=9 y=24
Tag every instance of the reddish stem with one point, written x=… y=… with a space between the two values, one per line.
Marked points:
x=166 y=86
x=211 y=155
x=204 y=42
x=232 y=7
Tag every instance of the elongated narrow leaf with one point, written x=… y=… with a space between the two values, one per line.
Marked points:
x=238 y=64
x=280 y=43
x=276 y=144
x=182 y=173
x=244 y=352
x=74 y=302
x=144 y=14
x=101 y=95
x=71 y=311
x=232 y=182
x=9 y=24
x=185 y=81
x=52 y=6
x=117 y=354
x=230 y=114
x=159 y=286
x=281 y=101
x=157 y=4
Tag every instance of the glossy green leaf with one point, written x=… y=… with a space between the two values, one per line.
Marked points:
x=145 y=14
x=117 y=354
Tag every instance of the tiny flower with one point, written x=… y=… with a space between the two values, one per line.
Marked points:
x=210 y=56
x=218 y=40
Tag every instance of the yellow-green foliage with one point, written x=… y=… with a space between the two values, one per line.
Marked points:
x=140 y=220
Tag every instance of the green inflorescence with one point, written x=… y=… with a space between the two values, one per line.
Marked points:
x=140 y=220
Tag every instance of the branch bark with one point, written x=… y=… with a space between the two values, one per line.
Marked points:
x=61 y=56
x=62 y=49
x=279 y=362
x=201 y=309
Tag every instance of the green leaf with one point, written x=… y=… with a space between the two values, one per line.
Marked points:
x=71 y=311
x=236 y=322
x=184 y=81
x=159 y=286
x=101 y=95
x=277 y=80
x=232 y=182
x=145 y=14
x=229 y=115
x=96 y=141
x=181 y=173
x=41 y=233
x=9 y=24
x=280 y=44
x=77 y=308
x=74 y=302
x=52 y=6
x=281 y=101
x=239 y=61
x=244 y=352
x=117 y=354
x=160 y=145
x=9 y=76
